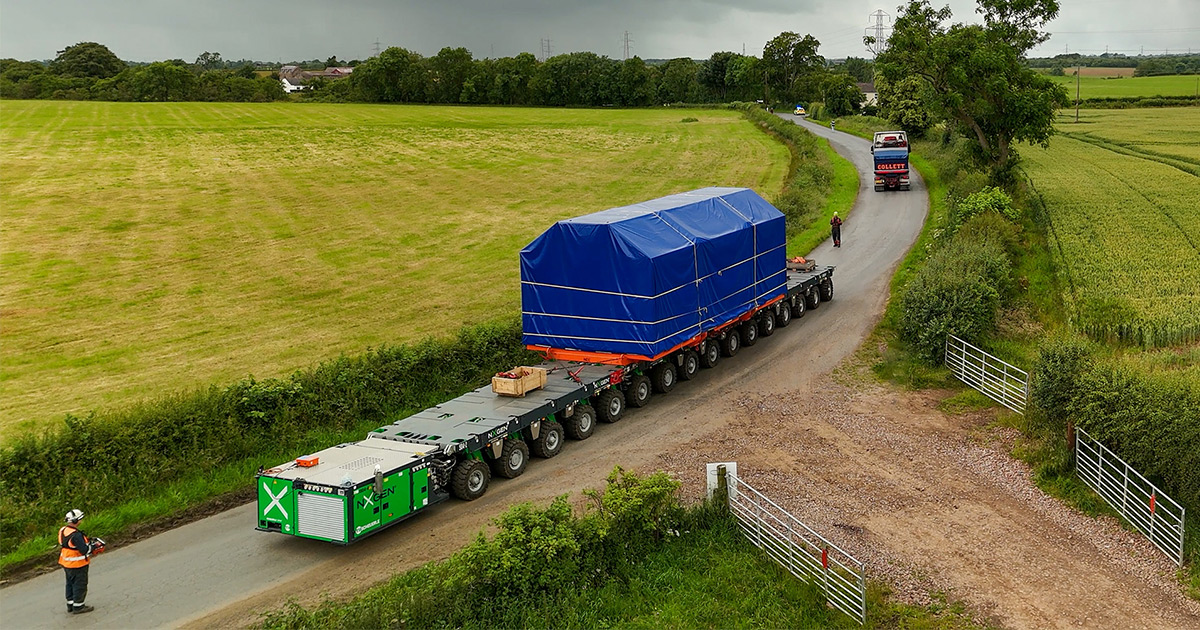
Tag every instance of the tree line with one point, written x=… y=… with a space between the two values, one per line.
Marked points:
x=789 y=71
x=90 y=71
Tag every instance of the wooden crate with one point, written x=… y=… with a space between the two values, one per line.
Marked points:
x=531 y=378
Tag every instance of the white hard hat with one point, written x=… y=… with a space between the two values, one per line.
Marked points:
x=74 y=516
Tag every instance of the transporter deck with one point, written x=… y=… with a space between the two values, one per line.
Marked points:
x=472 y=421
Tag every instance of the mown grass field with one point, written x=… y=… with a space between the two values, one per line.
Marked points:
x=1115 y=87
x=1122 y=189
x=149 y=248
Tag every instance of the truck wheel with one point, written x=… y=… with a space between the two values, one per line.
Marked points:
x=470 y=479
x=512 y=459
x=813 y=298
x=826 y=289
x=664 y=377
x=637 y=394
x=766 y=324
x=749 y=333
x=582 y=424
x=549 y=441
x=610 y=405
x=785 y=315
x=712 y=354
x=732 y=342
x=690 y=365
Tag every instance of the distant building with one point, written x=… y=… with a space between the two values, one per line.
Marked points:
x=868 y=90
x=295 y=78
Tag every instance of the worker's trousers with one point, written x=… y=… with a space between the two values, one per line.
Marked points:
x=76 y=585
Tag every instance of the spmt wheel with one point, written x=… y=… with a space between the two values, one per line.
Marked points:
x=470 y=479
x=637 y=394
x=689 y=365
x=826 y=289
x=749 y=333
x=813 y=299
x=512 y=459
x=610 y=404
x=732 y=343
x=664 y=377
x=766 y=323
x=799 y=306
x=549 y=441
x=785 y=315
x=712 y=354
x=582 y=424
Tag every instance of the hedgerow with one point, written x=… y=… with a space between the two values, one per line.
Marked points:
x=99 y=461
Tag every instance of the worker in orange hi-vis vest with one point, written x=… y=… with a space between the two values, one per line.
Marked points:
x=75 y=556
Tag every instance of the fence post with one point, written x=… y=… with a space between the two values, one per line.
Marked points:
x=722 y=493
x=825 y=570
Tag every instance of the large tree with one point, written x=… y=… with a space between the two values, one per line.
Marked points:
x=87 y=59
x=976 y=75
x=396 y=75
x=791 y=65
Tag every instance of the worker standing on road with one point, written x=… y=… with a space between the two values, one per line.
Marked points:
x=836 y=224
x=75 y=556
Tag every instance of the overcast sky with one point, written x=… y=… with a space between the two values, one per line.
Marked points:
x=283 y=30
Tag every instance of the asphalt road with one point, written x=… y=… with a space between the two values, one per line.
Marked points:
x=220 y=572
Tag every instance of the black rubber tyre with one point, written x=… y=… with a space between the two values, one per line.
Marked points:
x=731 y=343
x=826 y=289
x=663 y=377
x=813 y=299
x=470 y=479
x=637 y=393
x=749 y=333
x=582 y=424
x=690 y=365
x=800 y=307
x=549 y=441
x=766 y=323
x=785 y=315
x=610 y=405
x=712 y=354
x=512 y=461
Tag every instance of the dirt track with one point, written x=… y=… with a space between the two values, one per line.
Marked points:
x=923 y=504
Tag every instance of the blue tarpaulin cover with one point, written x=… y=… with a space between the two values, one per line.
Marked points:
x=642 y=279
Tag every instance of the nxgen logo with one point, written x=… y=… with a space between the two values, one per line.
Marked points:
x=275 y=500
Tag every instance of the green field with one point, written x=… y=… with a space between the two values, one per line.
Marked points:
x=149 y=248
x=1131 y=87
x=1122 y=190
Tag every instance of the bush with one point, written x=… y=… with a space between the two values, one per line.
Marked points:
x=958 y=291
x=990 y=199
x=1057 y=370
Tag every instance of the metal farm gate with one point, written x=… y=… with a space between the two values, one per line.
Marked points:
x=1000 y=381
x=795 y=546
x=1139 y=502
